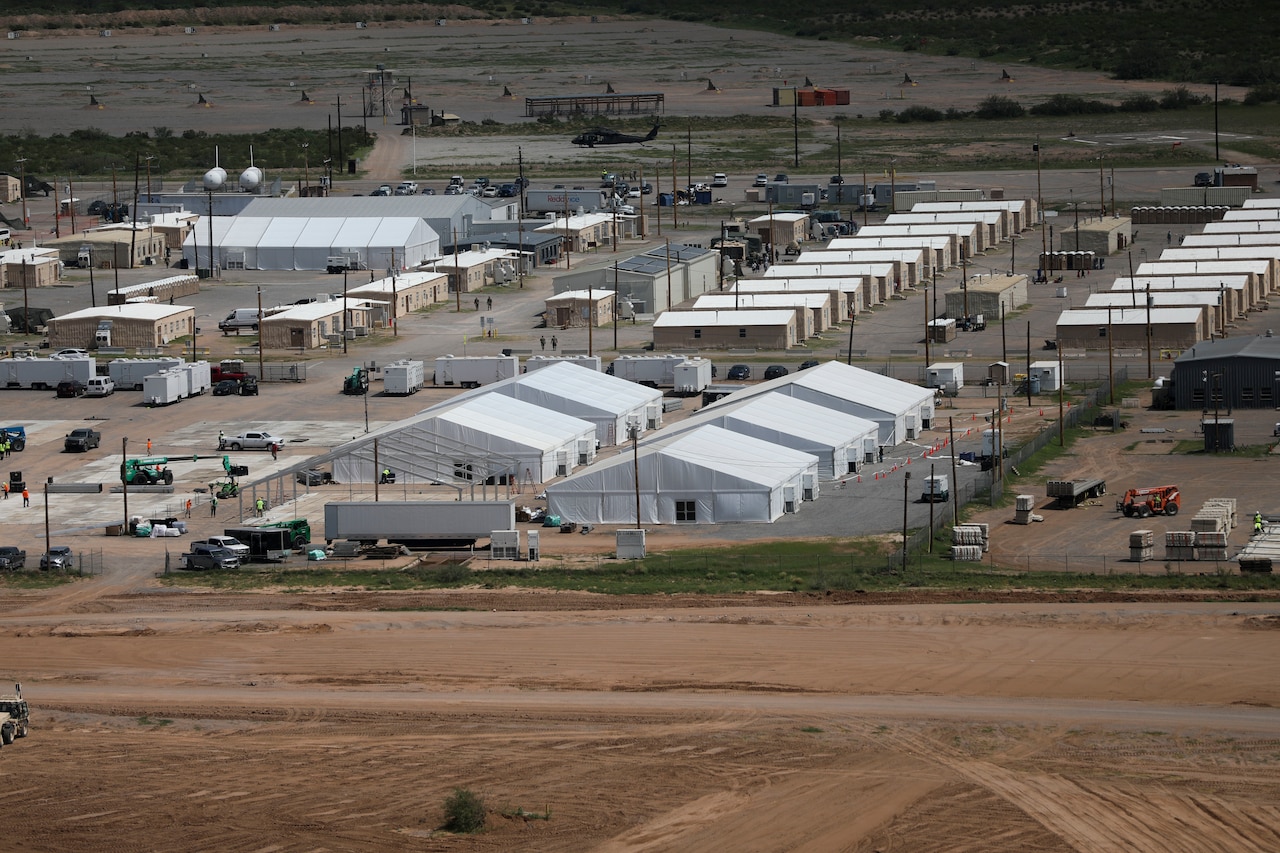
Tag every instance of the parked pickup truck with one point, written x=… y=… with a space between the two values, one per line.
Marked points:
x=210 y=557
x=82 y=440
x=12 y=558
x=251 y=441
x=231 y=543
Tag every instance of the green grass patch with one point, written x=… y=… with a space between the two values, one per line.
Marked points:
x=147 y=721
x=36 y=579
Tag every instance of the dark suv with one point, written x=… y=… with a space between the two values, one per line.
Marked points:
x=739 y=371
x=70 y=388
x=773 y=371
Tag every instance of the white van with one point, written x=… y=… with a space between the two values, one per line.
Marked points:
x=99 y=386
x=241 y=318
x=5 y=236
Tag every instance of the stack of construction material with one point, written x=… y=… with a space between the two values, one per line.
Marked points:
x=1022 y=510
x=1212 y=518
x=1142 y=546
x=967 y=553
x=971 y=534
x=1228 y=503
x=1211 y=546
x=1180 y=545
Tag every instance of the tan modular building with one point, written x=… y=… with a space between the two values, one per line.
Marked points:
x=813 y=310
x=1263 y=238
x=477 y=268
x=964 y=235
x=174 y=228
x=10 y=189
x=910 y=266
x=1022 y=213
x=939 y=248
x=410 y=291
x=1270 y=254
x=135 y=325
x=582 y=232
x=314 y=324
x=843 y=291
x=781 y=230
x=1231 y=290
x=765 y=329
x=650 y=282
x=39 y=267
x=113 y=246
x=161 y=290
x=1258 y=272
x=1212 y=322
x=987 y=225
x=987 y=294
x=1102 y=236
x=878 y=281
x=1171 y=328
x=573 y=307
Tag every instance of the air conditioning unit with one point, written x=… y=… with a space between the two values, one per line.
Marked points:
x=630 y=544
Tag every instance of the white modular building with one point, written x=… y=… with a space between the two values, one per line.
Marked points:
x=991 y=224
x=841 y=442
x=1233 y=290
x=910 y=266
x=879 y=281
x=844 y=292
x=708 y=475
x=940 y=247
x=964 y=235
x=611 y=404
x=1021 y=211
x=813 y=310
x=1258 y=272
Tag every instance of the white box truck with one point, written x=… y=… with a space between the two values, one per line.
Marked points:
x=562 y=201
x=403 y=377
x=413 y=523
x=198 y=377
x=474 y=371
x=128 y=373
x=44 y=374
x=165 y=387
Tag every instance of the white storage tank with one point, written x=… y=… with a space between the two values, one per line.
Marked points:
x=165 y=387
x=403 y=377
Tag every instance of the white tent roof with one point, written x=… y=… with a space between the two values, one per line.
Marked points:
x=1221 y=253
x=797 y=285
x=1124 y=298
x=933 y=241
x=516 y=422
x=862 y=255
x=582 y=392
x=1227 y=226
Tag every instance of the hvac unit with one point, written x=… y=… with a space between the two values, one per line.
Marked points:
x=534 y=546
x=630 y=544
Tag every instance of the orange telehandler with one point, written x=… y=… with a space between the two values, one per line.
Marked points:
x=1155 y=500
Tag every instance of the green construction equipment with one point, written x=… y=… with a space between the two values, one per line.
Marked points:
x=227 y=487
x=357 y=382
x=298 y=528
x=146 y=471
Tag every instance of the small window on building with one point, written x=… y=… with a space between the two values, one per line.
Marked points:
x=742 y=333
x=686 y=511
x=1264 y=396
x=1197 y=397
x=1102 y=331
x=697 y=333
x=1246 y=396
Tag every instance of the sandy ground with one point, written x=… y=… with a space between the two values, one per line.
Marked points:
x=198 y=720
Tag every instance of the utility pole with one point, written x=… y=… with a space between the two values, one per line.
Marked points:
x=22 y=179
x=341 y=158
x=1040 y=206
x=262 y=376
x=344 y=311
x=675 y=193
x=955 y=483
x=1062 y=380
x=906 y=483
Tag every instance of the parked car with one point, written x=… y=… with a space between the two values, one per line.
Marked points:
x=453 y=189
x=12 y=558
x=508 y=191
x=773 y=371
x=720 y=179
x=781 y=178
x=489 y=192
x=227 y=388
x=646 y=188
x=210 y=557
x=1204 y=179
x=634 y=192
x=97 y=207
x=231 y=543
x=70 y=353
x=740 y=372
x=82 y=439
x=57 y=557
x=70 y=388
x=100 y=386
x=249 y=386
x=762 y=180
x=813 y=362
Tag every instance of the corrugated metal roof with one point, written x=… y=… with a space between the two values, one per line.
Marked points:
x=1128 y=316
x=1250 y=346
x=129 y=311
x=680 y=319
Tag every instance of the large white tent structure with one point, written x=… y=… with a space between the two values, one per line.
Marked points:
x=610 y=403
x=841 y=442
x=306 y=243
x=472 y=439
x=898 y=408
x=705 y=476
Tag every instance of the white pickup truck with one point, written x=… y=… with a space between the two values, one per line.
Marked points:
x=251 y=441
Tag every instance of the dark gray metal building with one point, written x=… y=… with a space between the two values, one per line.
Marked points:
x=1229 y=373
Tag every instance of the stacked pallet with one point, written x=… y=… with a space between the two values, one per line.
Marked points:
x=966 y=553
x=1142 y=546
x=1212 y=519
x=1180 y=545
x=1022 y=509
x=971 y=534
x=1211 y=546
x=1229 y=504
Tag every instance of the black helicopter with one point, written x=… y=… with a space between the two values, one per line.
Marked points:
x=606 y=136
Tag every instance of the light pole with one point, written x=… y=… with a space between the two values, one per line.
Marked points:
x=306 y=169
x=906 y=484
x=195 y=332
x=22 y=179
x=795 y=122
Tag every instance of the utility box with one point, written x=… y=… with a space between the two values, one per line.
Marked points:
x=403 y=378
x=165 y=387
x=1048 y=374
x=630 y=544
x=535 y=547
x=505 y=544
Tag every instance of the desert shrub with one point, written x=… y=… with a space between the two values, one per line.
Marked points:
x=463 y=811
x=1070 y=105
x=1139 y=104
x=887 y=115
x=919 y=113
x=1180 y=98
x=1000 y=106
x=1263 y=93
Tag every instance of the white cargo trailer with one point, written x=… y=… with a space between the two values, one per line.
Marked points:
x=403 y=377
x=534 y=362
x=417 y=523
x=198 y=376
x=691 y=376
x=165 y=387
x=474 y=371
x=651 y=370
x=128 y=373
x=44 y=374
x=565 y=201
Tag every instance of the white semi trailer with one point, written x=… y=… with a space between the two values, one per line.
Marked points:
x=417 y=523
x=474 y=371
x=44 y=374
